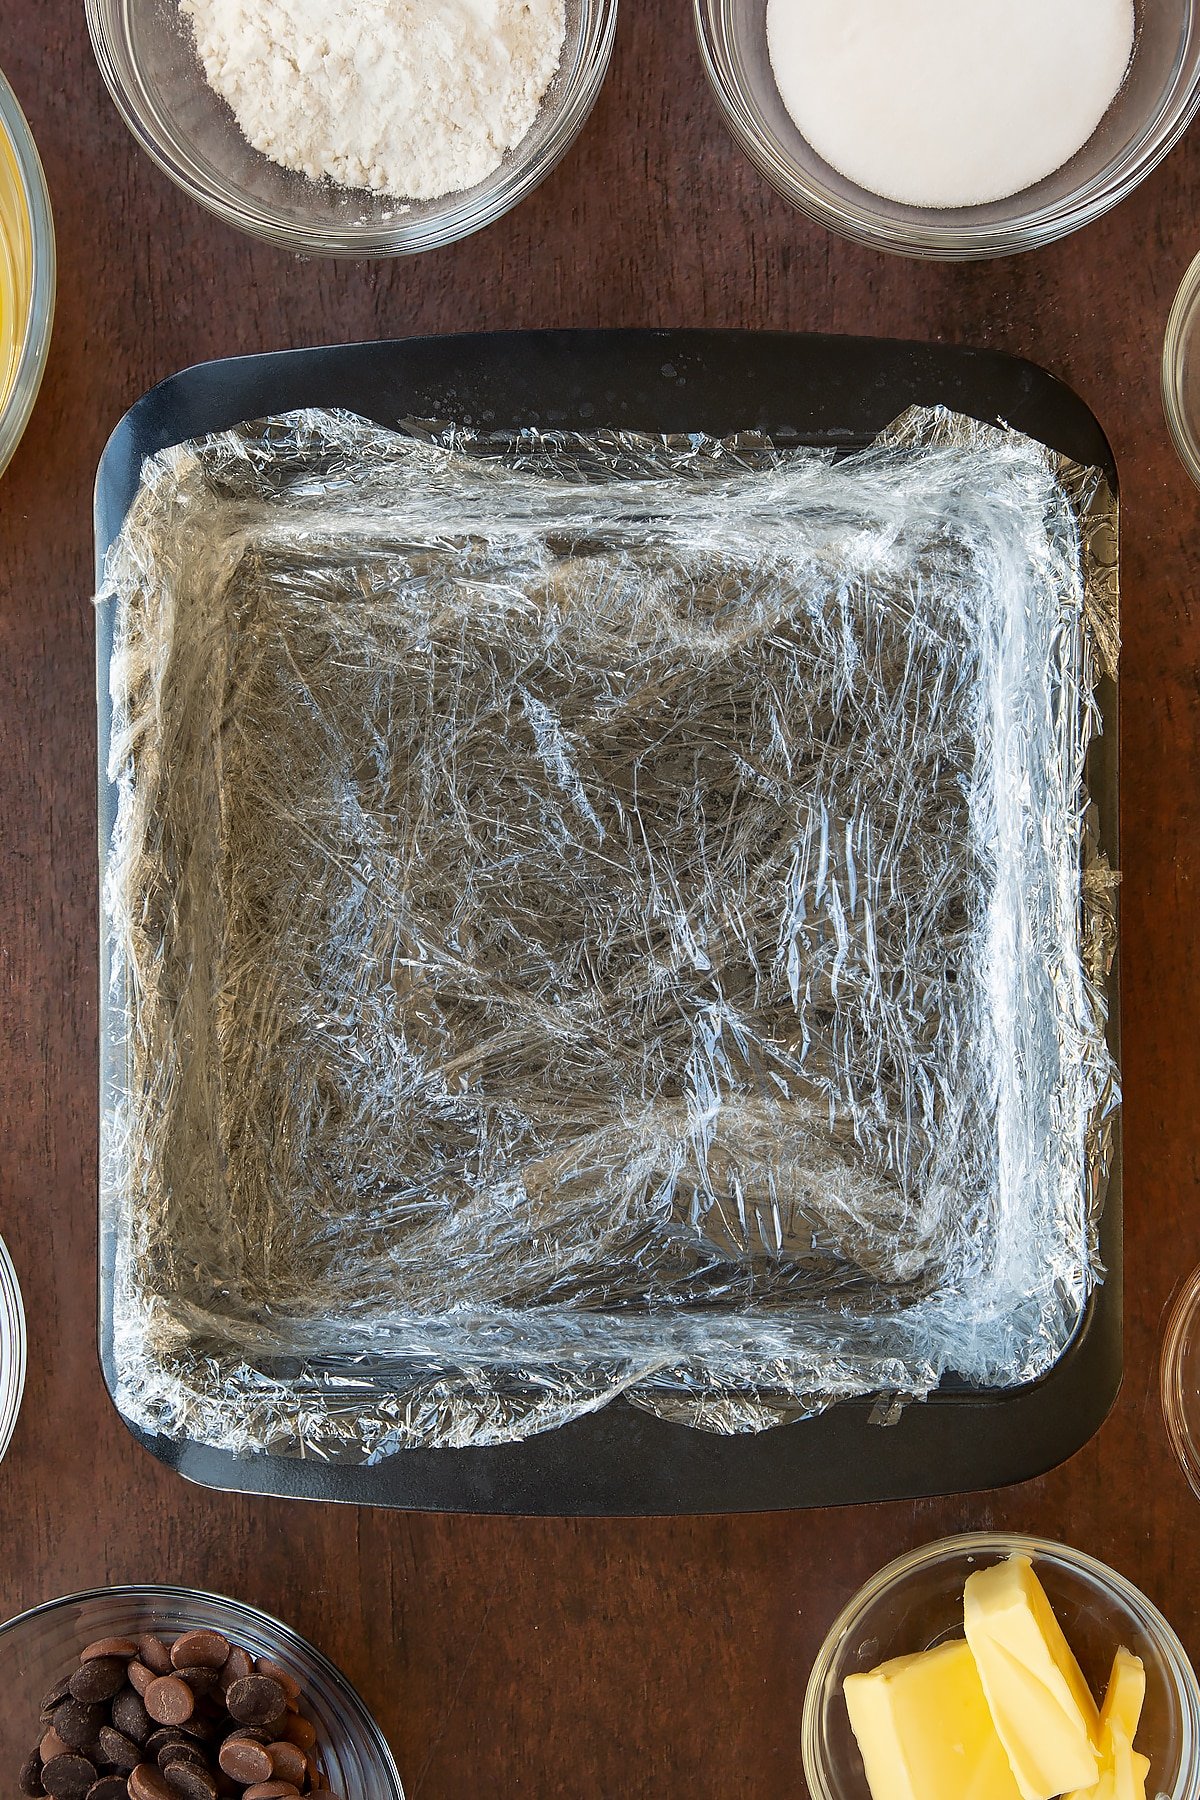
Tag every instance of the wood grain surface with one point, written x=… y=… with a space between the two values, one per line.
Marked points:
x=506 y=1656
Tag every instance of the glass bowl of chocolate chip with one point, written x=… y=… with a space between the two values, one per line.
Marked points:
x=162 y=1693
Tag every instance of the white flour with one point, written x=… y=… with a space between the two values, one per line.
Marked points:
x=416 y=98
x=948 y=102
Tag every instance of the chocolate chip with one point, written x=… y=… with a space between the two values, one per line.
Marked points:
x=52 y=1746
x=287 y=1681
x=129 y=1715
x=77 y=1723
x=202 y=1678
x=154 y=1653
x=158 y=1740
x=149 y=1783
x=238 y=1663
x=119 y=1750
x=193 y=1780
x=58 y=1692
x=255 y=1700
x=30 y=1779
x=184 y=1752
x=125 y=1648
x=288 y=1762
x=200 y=1650
x=205 y=1727
x=109 y=1787
x=245 y=1760
x=98 y=1679
x=299 y=1730
x=68 y=1777
x=140 y=1677
x=272 y=1790
x=169 y=1700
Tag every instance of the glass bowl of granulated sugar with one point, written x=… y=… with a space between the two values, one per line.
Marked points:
x=942 y=130
x=355 y=127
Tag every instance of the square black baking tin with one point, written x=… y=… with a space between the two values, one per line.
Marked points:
x=831 y=391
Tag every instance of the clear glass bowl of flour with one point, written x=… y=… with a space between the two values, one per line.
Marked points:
x=1156 y=103
x=147 y=54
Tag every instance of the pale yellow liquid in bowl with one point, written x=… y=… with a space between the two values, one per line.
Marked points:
x=16 y=266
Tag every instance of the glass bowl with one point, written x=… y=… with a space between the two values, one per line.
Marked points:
x=12 y=1348
x=917 y=1602
x=39 y=1647
x=27 y=270
x=148 y=59
x=1180 y=1371
x=1148 y=117
x=1181 y=373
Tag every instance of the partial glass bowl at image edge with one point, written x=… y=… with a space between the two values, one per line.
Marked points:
x=12 y=1348
x=149 y=62
x=916 y=1603
x=36 y=227
x=1157 y=102
x=39 y=1647
x=1180 y=1369
x=1181 y=371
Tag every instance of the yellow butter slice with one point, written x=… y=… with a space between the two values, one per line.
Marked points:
x=925 y=1732
x=1125 y=1695
x=1123 y=1772
x=1041 y=1705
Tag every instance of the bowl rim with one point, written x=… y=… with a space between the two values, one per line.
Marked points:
x=1181 y=321
x=1003 y=1543
x=12 y=1327
x=458 y=215
x=1186 y=1303
x=35 y=349
x=863 y=224
x=171 y=1592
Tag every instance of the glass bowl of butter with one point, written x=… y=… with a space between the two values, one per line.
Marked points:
x=998 y=1667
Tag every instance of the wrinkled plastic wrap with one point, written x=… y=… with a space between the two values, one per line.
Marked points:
x=600 y=917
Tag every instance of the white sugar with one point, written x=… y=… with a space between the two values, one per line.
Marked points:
x=948 y=102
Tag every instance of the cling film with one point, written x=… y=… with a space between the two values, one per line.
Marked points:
x=600 y=920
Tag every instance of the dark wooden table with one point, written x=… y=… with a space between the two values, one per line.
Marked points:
x=505 y=1656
